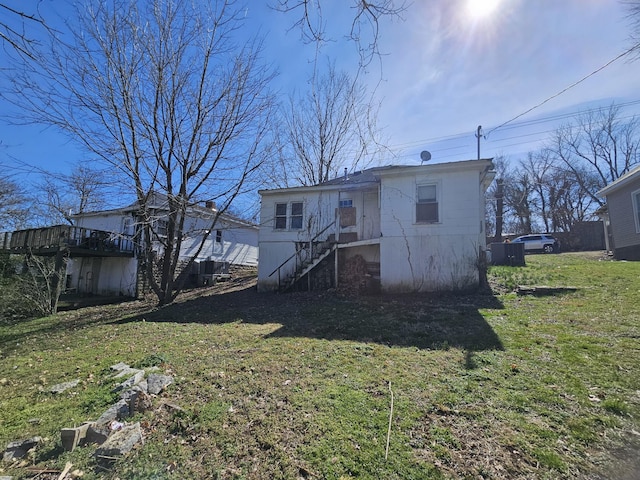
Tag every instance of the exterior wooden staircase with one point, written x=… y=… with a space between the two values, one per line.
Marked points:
x=315 y=252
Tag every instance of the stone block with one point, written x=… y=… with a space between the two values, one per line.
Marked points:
x=61 y=387
x=96 y=434
x=119 y=366
x=130 y=382
x=117 y=411
x=120 y=443
x=72 y=437
x=129 y=372
x=156 y=383
x=19 y=449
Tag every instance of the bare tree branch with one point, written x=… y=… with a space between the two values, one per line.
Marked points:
x=162 y=93
x=14 y=26
x=365 y=24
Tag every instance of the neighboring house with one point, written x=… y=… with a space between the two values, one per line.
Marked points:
x=622 y=215
x=233 y=241
x=103 y=246
x=400 y=228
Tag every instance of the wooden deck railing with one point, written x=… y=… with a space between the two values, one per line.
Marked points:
x=65 y=236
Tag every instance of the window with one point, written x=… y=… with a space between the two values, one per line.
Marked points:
x=217 y=246
x=427 y=204
x=636 y=208
x=281 y=216
x=162 y=227
x=296 y=216
x=294 y=212
x=127 y=226
x=346 y=203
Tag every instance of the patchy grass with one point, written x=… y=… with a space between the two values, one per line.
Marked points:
x=297 y=386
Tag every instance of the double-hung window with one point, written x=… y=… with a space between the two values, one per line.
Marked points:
x=296 y=216
x=281 y=216
x=427 y=204
x=162 y=228
x=289 y=215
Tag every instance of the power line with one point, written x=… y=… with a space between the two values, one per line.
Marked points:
x=626 y=52
x=466 y=135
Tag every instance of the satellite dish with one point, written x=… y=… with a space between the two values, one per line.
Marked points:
x=425 y=156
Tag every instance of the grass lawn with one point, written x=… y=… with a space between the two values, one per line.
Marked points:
x=298 y=386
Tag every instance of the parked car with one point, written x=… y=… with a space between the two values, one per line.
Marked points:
x=542 y=243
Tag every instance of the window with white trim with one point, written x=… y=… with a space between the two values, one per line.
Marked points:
x=281 y=216
x=427 y=204
x=296 y=216
x=289 y=215
x=636 y=209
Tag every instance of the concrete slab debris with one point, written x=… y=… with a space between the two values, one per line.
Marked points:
x=157 y=382
x=19 y=449
x=61 y=387
x=121 y=442
x=74 y=437
x=130 y=382
x=119 y=366
x=117 y=411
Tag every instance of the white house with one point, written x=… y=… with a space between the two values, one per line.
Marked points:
x=409 y=228
x=233 y=241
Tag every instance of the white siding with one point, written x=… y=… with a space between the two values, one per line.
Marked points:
x=413 y=256
x=437 y=256
x=103 y=275
x=278 y=245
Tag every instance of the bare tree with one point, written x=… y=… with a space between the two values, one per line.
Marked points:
x=597 y=148
x=559 y=202
x=365 y=24
x=330 y=127
x=494 y=199
x=633 y=17
x=519 y=200
x=82 y=190
x=14 y=208
x=166 y=95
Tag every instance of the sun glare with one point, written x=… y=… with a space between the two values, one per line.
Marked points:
x=479 y=9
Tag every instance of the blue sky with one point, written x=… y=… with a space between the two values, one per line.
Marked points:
x=442 y=73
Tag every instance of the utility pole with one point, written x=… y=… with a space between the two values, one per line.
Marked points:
x=499 y=208
x=478 y=135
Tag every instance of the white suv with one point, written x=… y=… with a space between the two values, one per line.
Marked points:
x=543 y=243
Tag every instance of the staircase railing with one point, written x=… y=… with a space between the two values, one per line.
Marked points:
x=296 y=254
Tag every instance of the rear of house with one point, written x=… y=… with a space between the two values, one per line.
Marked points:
x=400 y=228
x=623 y=215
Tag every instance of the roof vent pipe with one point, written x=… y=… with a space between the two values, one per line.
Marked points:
x=345 y=173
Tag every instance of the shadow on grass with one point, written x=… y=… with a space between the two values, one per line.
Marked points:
x=421 y=321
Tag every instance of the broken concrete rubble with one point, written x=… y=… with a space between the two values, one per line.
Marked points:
x=134 y=398
x=135 y=379
x=121 y=442
x=61 y=387
x=19 y=449
x=117 y=411
x=74 y=437
x=157 y=383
